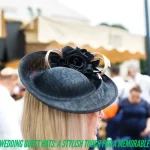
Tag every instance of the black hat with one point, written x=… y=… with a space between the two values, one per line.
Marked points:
x=69 y=80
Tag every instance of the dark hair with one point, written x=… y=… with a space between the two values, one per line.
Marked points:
x=115 y=70
x=136 y=88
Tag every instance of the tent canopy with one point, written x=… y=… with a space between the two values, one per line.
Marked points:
x=114 y=55
x=117 y=44
x=45 y=30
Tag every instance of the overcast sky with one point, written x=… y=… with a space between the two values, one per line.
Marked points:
x=129 y=13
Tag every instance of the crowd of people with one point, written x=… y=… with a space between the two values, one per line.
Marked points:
x=128 y=116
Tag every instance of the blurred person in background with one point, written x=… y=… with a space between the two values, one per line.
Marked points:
x=143 y=80
x=19 y=89
x=111 y=111
x=9 y=114
x=119 y=81
x=19 y=93
x=8 y=80
x=134 y=116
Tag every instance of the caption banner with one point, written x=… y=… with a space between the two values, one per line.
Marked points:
x=73 y=143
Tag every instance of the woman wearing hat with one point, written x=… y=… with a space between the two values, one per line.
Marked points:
x=65 y=94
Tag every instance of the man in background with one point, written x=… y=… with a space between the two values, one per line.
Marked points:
x=111 y=111
x=136 y=78
x=119 y=81
x=9 y=112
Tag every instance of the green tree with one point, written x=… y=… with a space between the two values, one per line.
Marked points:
x=119 y=26
x=143 y=66
x=114 y=25
x=104 y=24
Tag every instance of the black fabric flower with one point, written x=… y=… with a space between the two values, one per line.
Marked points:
x=55 y=60
x=78 y=59
x=74 y=58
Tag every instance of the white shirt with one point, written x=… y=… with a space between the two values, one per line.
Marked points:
x=10 y=127
x=20 y=104
x=144 y=82
x=121 y=85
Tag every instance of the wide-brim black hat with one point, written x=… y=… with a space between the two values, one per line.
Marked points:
x=64 y=88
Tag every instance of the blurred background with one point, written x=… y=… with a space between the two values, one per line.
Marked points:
x=118 y=29
x=115 y=28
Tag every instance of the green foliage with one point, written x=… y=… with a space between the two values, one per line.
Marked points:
x=143 y=66
x=119 y=26
x=114 y=25
x=105 y=24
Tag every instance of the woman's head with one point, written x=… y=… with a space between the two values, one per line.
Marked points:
x=65 y=93
x=42 y=122
x=135 y=94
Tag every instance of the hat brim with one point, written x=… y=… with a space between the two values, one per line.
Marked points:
x=34 y=63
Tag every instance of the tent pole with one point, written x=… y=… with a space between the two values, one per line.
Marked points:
x=147 y=38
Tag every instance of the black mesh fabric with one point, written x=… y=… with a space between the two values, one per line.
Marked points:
x=63 y=88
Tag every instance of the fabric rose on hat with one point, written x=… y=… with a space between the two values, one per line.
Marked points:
x=78 y=59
